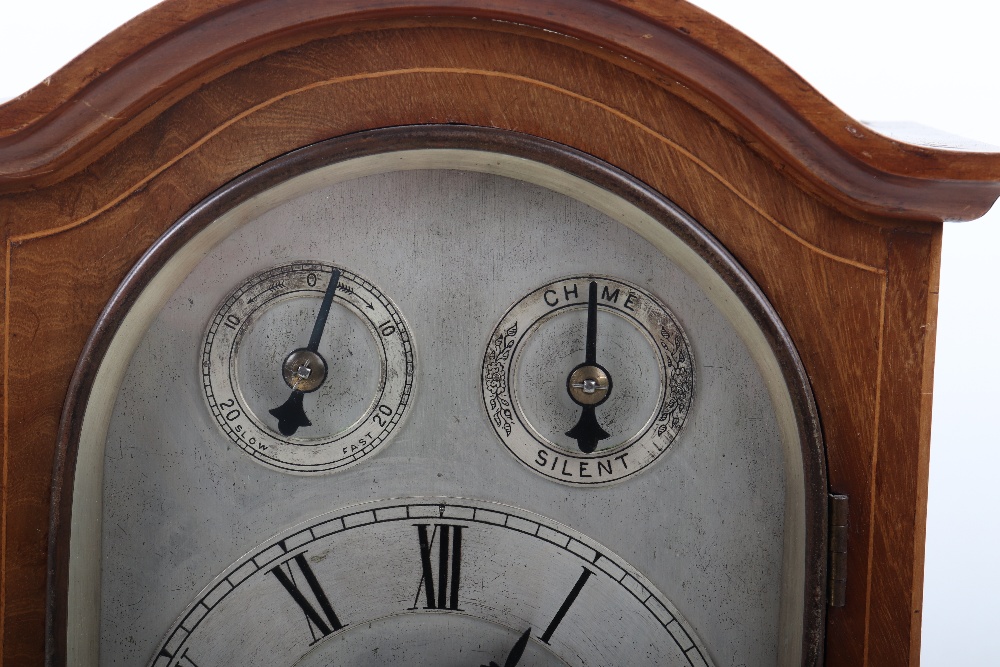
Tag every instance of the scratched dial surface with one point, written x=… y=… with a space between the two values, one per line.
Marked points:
x=458 y=582
x=450 y=250
x=369 y=367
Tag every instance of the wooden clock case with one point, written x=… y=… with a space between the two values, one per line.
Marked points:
x=839 y=226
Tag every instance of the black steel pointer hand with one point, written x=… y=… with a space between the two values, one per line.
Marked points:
x=515 y=653
x=589 y=385
x=304 y=369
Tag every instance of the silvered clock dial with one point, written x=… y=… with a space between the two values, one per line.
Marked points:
x=588 y=379
x=308 y=367
x=611 y=399
x=457 y=582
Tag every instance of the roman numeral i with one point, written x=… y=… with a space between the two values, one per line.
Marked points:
x=567 y=603
x=449 y=566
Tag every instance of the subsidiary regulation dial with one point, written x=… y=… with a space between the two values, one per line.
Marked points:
x=308 y=367
x=588 y=379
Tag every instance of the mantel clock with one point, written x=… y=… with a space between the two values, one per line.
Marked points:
x=462 y=333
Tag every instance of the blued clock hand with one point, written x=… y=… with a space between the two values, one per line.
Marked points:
x=515 y=653
x=304 y=369
x=589 y=385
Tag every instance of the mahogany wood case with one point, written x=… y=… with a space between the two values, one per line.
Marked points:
x=839 y=226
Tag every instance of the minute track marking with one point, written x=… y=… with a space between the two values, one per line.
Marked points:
x=614 y=587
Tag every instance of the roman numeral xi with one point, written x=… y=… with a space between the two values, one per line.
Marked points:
x=325 y=620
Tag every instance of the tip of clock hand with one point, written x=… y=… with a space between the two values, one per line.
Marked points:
x=587 y=431
x=291 y=415
x=515 y=654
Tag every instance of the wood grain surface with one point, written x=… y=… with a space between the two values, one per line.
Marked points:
x=151 y=62
x=830 y=220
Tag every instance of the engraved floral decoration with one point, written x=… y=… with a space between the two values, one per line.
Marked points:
x=494 y=378
x=680 y=382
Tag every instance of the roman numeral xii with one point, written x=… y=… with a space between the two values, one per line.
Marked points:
x=442 y=592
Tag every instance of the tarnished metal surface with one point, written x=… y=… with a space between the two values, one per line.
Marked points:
x=541 y=338
x=453 y=250
x=366 y=349
x=448 y=570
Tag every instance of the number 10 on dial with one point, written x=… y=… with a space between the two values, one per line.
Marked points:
x=308 y=367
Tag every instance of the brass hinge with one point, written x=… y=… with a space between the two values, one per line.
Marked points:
x=837 y=572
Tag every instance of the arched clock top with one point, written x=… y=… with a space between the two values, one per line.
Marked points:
x=776 y=448
x=138 y=71
x=836 y=225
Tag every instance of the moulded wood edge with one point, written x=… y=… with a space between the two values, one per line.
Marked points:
x=65 y=124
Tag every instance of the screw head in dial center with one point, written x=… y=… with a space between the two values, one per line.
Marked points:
x=589 y=384
x=304 y=370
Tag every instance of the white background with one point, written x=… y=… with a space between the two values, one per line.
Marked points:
x=928 y=62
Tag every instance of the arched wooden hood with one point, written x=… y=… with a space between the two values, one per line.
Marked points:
x=87 y=107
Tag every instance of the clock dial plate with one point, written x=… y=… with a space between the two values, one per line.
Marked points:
x=537 y=343
x=454 y=237
x=437 y=574
x=367 y=362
